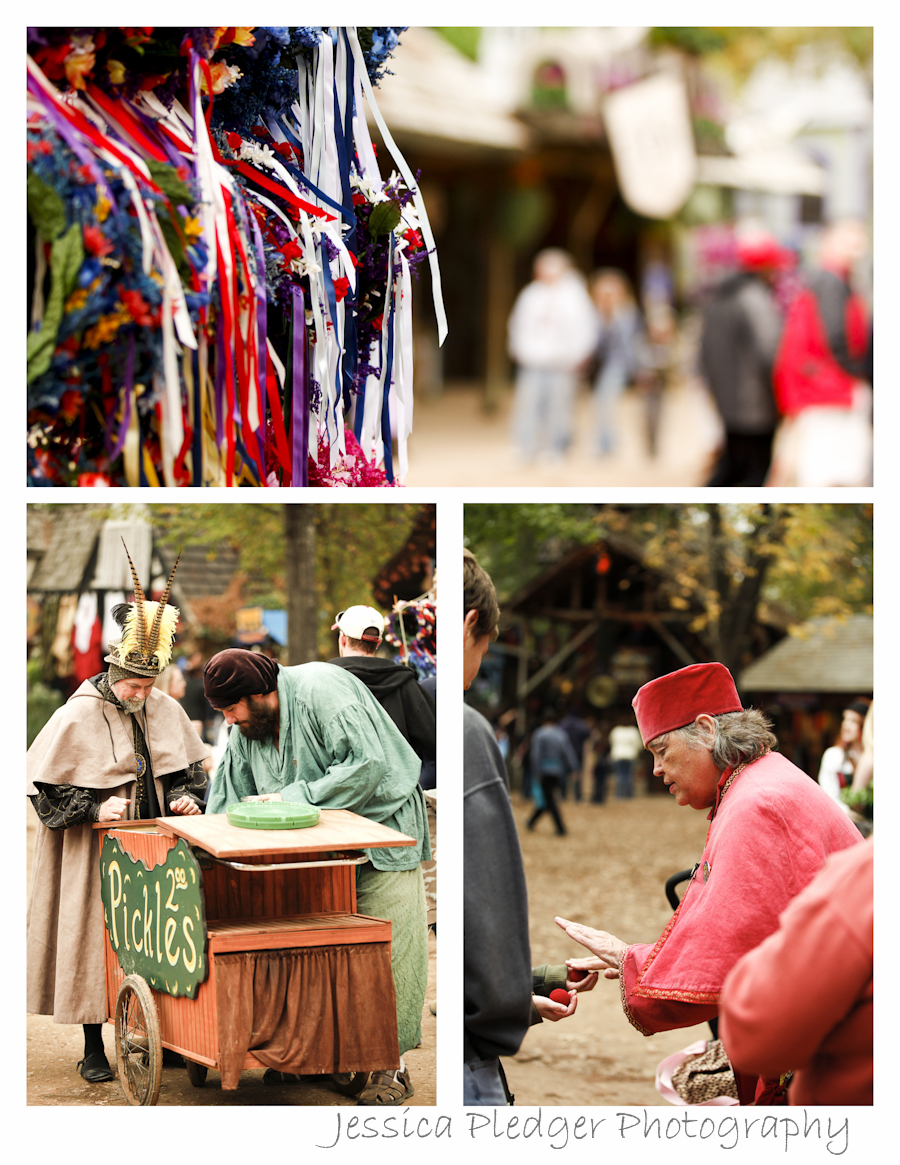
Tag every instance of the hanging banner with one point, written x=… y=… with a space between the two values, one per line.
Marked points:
x=649 y=129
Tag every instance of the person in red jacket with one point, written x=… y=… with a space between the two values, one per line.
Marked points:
x=771 y=828
x=802 y=999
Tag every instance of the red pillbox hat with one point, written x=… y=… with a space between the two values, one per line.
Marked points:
x=677 y=699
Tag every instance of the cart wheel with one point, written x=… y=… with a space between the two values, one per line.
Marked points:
x=138 y=1043
x=196 y=1073
x=349 y=1083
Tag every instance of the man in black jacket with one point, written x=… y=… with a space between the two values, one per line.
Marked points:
x=394 y=686
x=502 y=994
x=738 y=345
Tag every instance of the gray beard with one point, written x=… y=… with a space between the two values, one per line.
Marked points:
x=135 y=704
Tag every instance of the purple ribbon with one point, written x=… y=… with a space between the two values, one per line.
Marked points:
x=299 y=393
x=70 y=135
x=129 y=385
x=220 y=386
x=262 y=354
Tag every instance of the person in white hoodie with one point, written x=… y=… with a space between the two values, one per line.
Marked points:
x=552 y=332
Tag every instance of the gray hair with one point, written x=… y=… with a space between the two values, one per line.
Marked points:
x=741 y=737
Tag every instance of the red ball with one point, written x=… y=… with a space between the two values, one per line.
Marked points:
x=576 y=974
x=560 y=996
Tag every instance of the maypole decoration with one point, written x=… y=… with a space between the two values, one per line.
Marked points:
x=220 y=279
x=412 y=628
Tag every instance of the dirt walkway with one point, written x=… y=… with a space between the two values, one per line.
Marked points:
x=455 y=442
x=608 y=872
x=53 y=1050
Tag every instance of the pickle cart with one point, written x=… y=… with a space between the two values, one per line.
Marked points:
x=239 y=946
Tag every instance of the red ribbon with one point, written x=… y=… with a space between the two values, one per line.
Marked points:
x=120 y=114
x=275 y=188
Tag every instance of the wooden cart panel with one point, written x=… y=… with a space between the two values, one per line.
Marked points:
x=191 y=1026
x=338 y=829
x=247 y=911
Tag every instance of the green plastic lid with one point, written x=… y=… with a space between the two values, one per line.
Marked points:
x=273 y=815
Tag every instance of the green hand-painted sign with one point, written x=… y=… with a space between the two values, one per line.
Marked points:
x=155 y=918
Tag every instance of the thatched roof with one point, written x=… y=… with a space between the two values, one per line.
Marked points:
x=69 y=553
x=835 y=656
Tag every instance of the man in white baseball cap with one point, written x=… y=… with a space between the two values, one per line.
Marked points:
x=393 y=685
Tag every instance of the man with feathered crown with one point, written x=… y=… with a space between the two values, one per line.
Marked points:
x=118 y=749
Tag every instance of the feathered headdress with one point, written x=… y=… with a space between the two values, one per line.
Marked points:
x=148 y=629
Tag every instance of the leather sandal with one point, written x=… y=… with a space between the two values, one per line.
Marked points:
x=95 y=1068
x=386 y=1088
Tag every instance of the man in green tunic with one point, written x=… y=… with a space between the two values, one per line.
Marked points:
x=315 y=734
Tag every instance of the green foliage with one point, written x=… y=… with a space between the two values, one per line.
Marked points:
x=862 y=801
x=505 y=538
x=740 y=50
x=353 y=541
x=66 y=257
x=725 y=564
x=40 y=704
x=45 y=207
x=696 y=41
x=385 y=217
x=466 y=40
x=166 y=178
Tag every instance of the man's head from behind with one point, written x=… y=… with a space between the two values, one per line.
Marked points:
x=481 y=614
x=361 y=629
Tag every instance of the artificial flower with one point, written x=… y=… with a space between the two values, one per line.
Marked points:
x=80 y=61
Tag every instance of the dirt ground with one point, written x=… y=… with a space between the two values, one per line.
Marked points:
x=609 y=872
x=455 y=442
x=53 y=1050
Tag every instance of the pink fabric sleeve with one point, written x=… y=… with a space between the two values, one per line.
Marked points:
x=781 y=1000
x=656 y=1015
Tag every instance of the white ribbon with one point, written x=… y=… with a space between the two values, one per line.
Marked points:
x=418 y=201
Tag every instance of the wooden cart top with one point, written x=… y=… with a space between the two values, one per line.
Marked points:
x=338 y=829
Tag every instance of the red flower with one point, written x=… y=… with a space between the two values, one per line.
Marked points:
x=413 y=238
x=95 y=242
x=152 y=80
x=52 y=60
x=341 y=288
x=359 y=199
x=234 y=140
x=70 y=404
x=138 y=308
x=284 y=149
x=291 y=250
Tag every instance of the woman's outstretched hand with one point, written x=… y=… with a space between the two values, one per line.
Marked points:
x=606 y=948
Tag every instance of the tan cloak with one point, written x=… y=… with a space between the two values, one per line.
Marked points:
x=88 y=742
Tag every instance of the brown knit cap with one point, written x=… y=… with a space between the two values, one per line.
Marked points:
x=237 y=672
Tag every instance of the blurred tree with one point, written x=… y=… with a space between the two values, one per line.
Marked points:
x=462 y=38
x=740 y=50
x=310 y=559
x=729 y=564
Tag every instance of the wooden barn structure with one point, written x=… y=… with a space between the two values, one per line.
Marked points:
x=585 y=634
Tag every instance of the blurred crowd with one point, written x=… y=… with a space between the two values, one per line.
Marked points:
x=583 y=757
x=785 y=352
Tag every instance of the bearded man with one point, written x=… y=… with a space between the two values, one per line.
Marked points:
x=315 y=734
x=118 y=749
x=771 y=829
